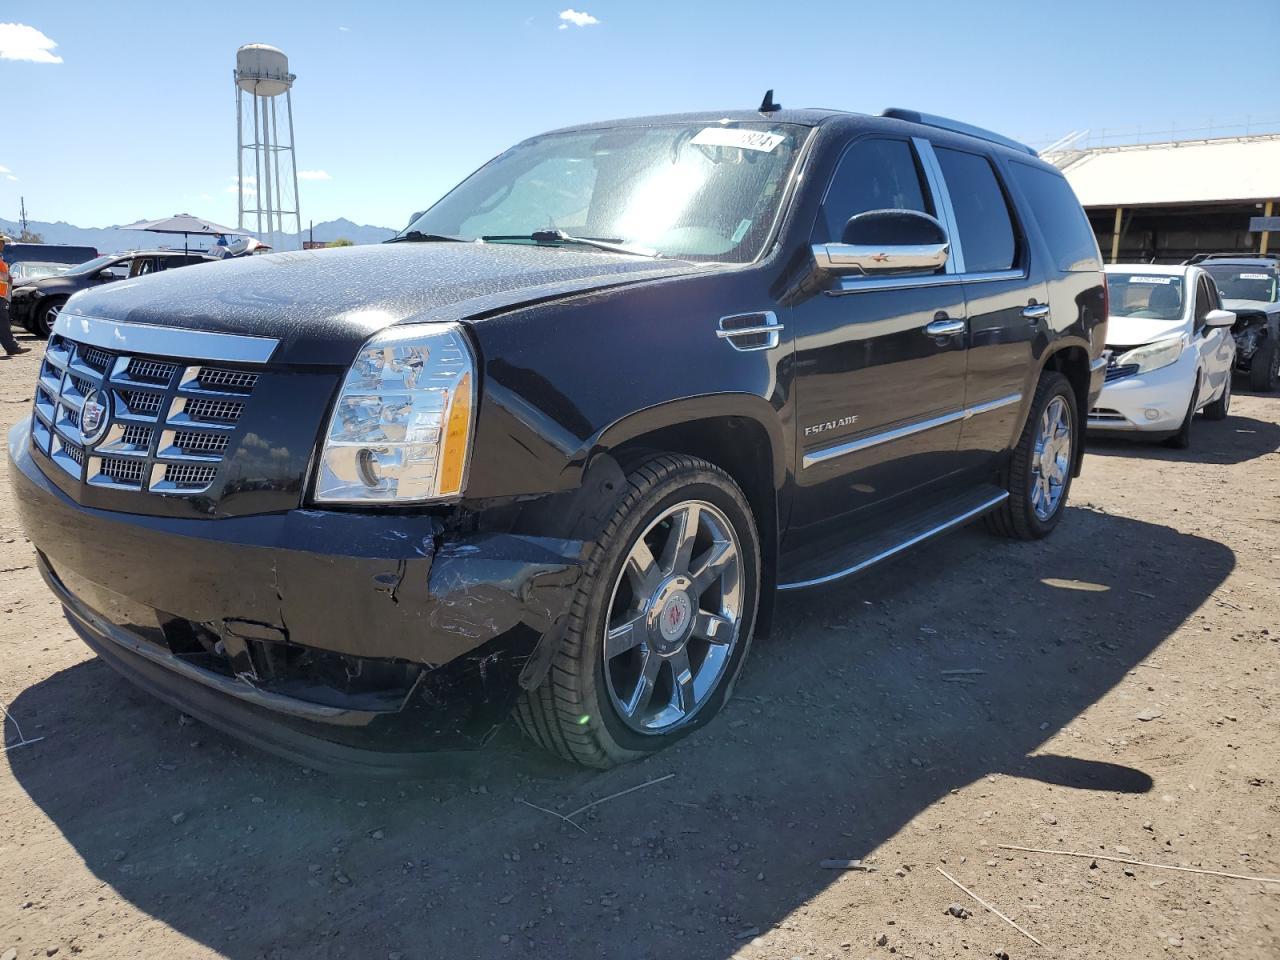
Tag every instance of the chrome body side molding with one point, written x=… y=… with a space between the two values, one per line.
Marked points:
x=141 y=338
x=906 y=430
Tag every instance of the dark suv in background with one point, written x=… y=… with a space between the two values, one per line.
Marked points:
x=36 y=303
x=554 y=448
x=1250 y=288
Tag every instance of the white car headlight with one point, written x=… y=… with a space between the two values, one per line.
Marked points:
x=1153 y=356
x=401 y=429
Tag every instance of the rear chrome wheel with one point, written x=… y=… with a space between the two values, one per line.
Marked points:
x=1041 y=465
x=673 y=619
x=1051 y=465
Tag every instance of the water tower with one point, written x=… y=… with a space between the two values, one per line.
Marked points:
x=265 y=163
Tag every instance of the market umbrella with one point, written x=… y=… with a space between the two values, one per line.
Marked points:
x=186 y=224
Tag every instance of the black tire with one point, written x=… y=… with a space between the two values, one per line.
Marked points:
x=43 y=314
x=1219 y=409
x=1264 y=371
x=1182 y=439
x=1016 y=517
x=571 y=713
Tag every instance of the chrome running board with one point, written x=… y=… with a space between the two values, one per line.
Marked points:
x=860 y=555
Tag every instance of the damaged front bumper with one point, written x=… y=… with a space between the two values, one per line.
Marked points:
x=338 y=639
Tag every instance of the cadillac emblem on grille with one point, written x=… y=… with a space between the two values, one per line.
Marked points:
x=95 y=416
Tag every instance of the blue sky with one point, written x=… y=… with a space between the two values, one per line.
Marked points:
x=396 y=101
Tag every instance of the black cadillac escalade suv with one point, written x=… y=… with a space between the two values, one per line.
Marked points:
x=554 y=448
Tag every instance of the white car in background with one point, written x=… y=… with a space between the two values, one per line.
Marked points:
x=1169 y=352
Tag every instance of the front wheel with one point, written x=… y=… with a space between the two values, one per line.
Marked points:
x=45 y=316
x=1182 y=439
x=1219 y=409
x=1264 y=371
x=1042 y=462
x=661 y=622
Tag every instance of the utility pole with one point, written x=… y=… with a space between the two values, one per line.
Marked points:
x=22 y=215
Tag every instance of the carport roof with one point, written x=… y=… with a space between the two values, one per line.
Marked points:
x=1189 y=171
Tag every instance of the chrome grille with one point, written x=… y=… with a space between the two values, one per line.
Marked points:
x=223 y=411
x=210 y=377
x=189 y=475
x=170 y=421
x=154 y=370
x=191 y=441
x=142 y=402
x=96 y=358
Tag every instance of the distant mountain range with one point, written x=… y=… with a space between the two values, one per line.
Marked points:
x=113 y=239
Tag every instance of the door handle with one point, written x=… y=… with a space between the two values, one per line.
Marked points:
x=944 y=326
x=1035 y=311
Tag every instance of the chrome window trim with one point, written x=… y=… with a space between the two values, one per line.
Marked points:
x=906 y=430
x=856 y=284
x=138 y=338
x=942 y=201
x=955 y=521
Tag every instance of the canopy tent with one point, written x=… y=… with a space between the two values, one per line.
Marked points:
x=186 y=224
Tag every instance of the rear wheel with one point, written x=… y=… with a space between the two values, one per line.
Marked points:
x=1041 y=466
x=1264 y=372
x=45 y=316
x=1219 y=409
x=661 y=622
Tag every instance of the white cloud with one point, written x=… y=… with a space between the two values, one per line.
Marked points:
x=21 y=42
x=10 y=176
x=4 y=169
x=345 y=29
x=576 y=17
x=313 y=175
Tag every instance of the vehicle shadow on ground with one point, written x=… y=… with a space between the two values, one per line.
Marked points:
x=1233 y=440
x=867 y=705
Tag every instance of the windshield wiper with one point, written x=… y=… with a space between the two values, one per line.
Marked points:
x=417 y=236
x=559 y=236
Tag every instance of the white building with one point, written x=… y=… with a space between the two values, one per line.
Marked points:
x=1164 y=202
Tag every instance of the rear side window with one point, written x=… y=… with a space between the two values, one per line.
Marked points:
x=1062 y=221
x=982 y=213
x=873 y=175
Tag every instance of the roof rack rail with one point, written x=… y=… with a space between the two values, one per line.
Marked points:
x=956 y=126
x=1202 y=257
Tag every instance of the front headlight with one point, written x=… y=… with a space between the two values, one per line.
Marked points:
x=401 y=429
x=1153 y=356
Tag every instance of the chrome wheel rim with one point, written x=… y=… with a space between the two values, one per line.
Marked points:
x=51 y=315
x=674 y=617
x=1051 y=463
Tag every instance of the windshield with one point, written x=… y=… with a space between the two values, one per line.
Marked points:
x=681 y=190
x=1145 y=296
x=28 y=270
x=1245 y=283
x=97 y=263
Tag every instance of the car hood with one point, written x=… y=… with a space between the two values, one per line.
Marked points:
x=322 y=304
x=48 y=285
x=1134 y=331
x=1263 y=306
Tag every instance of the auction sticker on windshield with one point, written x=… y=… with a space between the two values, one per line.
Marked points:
x=1255 y=276
x=743 y=139
x=1152 y=279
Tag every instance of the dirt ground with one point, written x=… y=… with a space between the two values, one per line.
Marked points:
x=1119 y=696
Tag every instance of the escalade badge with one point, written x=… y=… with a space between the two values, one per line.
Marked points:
x=95 y=416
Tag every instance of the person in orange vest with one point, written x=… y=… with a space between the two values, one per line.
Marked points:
x=11 y=348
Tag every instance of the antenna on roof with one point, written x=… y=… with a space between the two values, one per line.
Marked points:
x=767 y=105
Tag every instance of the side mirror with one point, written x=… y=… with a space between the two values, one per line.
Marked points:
x=1219 y=318
x=886 y=242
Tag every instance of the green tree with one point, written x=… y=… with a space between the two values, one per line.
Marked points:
x=341 y=242
x=28 y=236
